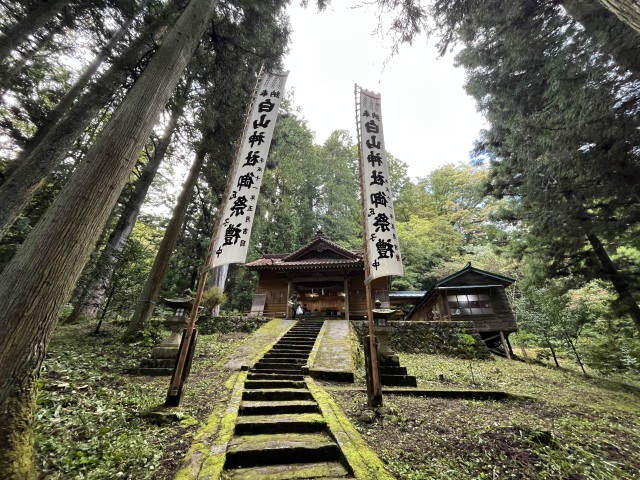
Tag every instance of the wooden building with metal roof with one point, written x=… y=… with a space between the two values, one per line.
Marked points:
x=470 y=295
x=328 y=278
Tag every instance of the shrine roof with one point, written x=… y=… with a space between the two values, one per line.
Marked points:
x=319 y=252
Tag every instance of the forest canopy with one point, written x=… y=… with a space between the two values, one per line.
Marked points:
x=104 y=102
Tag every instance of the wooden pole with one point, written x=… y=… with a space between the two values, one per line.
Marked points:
x=374 y=390
x=174 y=393
x=504 y=345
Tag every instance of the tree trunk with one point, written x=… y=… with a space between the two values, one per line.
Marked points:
x=628 y=11
x=217 y=278
x=93 y=296
x=50 y=145
x=18 y=33
x=622 y=42
x=39 y=279
x=553 y=352
x=625 y=297
x=151 y=290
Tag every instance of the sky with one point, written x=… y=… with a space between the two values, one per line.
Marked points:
x=429 y=120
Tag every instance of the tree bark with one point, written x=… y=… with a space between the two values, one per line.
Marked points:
x=93 y=296
x=151 y=290
x=625 y=297
x=40 y=278
x=628 y=11
x=50 y=145
x=18 y=33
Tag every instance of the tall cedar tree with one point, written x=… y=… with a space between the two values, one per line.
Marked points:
x=240 y=49
x=65 y=124
x=40 y=278
x=563 y=132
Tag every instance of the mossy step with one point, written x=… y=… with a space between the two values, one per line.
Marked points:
x=290 y=349
x=278 y=407
x=279 y=365
x=277 y=394
x=384 y=370
x=274 y=376
x=280 y=423
x=280 y=448
x=321 y=470
x=265 y=370
x=398 y=380
x=299 y=353
x=258 y=384
x=266 y=359
x=276 y=367
x=295 y=342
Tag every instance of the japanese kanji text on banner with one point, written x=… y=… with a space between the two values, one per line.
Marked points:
x=234 y=228
x=383 y=249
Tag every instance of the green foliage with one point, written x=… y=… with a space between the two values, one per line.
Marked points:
x=94 y=421
x=213 y=297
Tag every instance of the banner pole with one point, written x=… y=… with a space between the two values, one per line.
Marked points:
x=374 y=389
x=177 y=379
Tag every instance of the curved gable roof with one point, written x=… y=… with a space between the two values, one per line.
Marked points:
x=319 y=252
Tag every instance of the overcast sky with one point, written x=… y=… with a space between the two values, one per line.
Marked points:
x=428 y=118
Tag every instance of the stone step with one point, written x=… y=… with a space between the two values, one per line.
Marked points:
x=256 y=450
x=260 y=384
x=276 y=368
x=323 y=470
x=290 y=349
x=385 y=370
x=279 y=365
x=158 y=363
x=398 y=380
x=277 y=407
x=282 y=423
x=281 y=354
x=277 y=371
x=274 y=376
x=267 y=394
x=292 y=360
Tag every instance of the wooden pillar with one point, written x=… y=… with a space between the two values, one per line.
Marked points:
x=346 y=298
x=288 y=309
x=504 y=345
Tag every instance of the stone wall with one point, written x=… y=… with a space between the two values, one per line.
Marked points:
x=207 y=325
x=427 y=337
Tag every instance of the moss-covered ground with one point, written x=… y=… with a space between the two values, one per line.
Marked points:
x=561 y=426
x=94 y=421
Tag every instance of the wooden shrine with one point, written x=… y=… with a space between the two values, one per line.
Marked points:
x=328 y=278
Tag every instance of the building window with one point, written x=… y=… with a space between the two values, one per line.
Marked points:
x=470 y=304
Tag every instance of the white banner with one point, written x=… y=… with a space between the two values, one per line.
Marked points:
x=234 y=231
x=380 y=222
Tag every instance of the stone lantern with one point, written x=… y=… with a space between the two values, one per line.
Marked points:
x=164 y=355
x=383 y=330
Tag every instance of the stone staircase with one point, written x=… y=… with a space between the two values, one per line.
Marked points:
x=279 y=433
x=392 y=374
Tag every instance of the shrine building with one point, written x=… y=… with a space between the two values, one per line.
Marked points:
x=328 y=279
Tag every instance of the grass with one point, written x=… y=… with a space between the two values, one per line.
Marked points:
x=562 y=425
x=94 y=421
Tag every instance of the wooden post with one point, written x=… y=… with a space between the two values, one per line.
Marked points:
x=504 y=345
x=177 y=379
x=374 y=390
x=346 y=298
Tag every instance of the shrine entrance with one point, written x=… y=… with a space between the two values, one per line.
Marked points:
x=328 y=278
